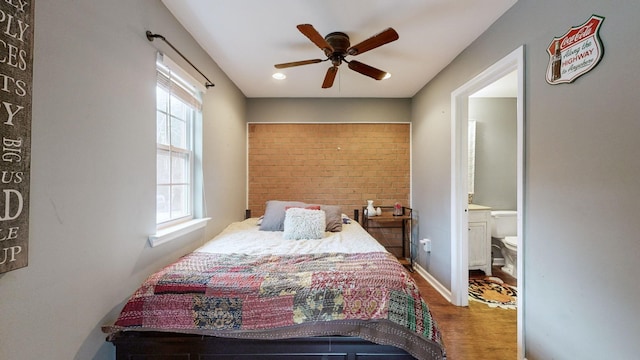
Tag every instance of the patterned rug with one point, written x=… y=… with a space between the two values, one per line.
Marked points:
x=493 y=292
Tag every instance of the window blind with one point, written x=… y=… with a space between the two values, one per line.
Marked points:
x=177 y=82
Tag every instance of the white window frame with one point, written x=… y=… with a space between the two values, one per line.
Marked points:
x=173 y=228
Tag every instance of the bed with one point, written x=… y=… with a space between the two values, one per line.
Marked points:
x=251 y=293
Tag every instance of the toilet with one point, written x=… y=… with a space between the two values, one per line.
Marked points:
x=504 y=229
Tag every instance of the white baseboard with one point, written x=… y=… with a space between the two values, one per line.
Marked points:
x=446 y=293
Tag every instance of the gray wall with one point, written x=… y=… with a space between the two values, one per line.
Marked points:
x=496 y=150
x=328 y=110
x=581 y=169
x=93 y=155
x=93 y=173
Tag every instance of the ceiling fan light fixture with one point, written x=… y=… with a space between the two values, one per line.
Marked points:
x=336 y=46
x=279 y=76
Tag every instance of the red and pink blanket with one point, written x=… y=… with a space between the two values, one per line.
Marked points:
x=369 y=295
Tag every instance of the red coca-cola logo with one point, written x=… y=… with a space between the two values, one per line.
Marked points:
x=576 y=35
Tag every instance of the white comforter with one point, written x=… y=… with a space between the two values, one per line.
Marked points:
x=245 y=237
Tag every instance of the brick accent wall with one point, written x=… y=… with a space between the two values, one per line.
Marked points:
x=339 y=164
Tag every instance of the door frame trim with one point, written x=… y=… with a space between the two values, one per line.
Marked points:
x=459 y=180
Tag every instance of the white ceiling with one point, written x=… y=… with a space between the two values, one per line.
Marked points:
x=247 y=37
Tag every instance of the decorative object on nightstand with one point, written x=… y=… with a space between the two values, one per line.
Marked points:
x=397 y=209
x=370 y=211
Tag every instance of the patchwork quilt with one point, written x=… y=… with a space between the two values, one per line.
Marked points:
x=369 y=295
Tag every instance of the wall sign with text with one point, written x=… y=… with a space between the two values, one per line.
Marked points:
x=575 y=53
x=16 y=80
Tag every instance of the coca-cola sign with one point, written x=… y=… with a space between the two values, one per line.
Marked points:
x=575 y=53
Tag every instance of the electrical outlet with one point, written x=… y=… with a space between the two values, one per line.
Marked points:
x=426 y=244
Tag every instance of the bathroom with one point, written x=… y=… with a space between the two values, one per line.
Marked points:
x=493 y=166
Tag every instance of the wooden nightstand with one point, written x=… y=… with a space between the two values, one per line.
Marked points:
x=393 y=232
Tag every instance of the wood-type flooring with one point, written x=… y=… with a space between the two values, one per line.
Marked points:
x=476 y=332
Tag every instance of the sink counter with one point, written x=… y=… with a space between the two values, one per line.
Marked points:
x=478 y=207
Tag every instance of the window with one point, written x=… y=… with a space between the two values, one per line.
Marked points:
x=178 y=108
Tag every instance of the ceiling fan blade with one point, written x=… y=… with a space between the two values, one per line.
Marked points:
x=373 y=42
x=309 y=31
x=367 y=70
x=329 y=77
x=297 y=63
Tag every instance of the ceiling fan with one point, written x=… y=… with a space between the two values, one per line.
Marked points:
x=336 y=47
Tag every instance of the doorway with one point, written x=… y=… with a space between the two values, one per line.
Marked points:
x=460 y=178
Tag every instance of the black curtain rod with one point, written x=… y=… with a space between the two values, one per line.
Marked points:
x=151 y=36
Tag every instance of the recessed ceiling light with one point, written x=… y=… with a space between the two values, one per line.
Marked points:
x=386 y=76
x=279 y=76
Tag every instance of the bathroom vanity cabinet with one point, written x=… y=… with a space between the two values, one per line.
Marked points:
x=480 y=238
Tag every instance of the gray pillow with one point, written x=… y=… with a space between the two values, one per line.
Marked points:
x=333 y=214
x=274 y=214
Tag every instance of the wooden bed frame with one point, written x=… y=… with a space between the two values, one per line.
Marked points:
x=145 y=345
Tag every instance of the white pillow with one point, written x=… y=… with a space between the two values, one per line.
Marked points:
x=302 y=223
